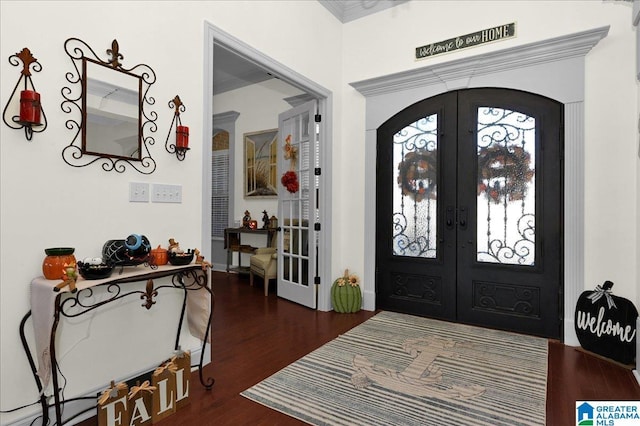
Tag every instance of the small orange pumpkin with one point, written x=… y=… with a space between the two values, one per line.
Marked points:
x=53 y=264
x=160 y=256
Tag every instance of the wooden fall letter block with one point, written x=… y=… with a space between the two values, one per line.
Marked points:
x=141 y=404
x=182 y=362
x=164 y=398
x=112 y=406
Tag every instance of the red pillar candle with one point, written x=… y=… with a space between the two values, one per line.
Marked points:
x=30 y=107
x=182 y=137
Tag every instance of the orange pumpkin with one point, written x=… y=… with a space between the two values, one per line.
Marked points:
x=53 y=264
x=160 y=256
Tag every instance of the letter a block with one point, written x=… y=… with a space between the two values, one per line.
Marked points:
x=164 y=397
x=141 y=404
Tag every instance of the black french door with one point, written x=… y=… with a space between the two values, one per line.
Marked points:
x=469 y=210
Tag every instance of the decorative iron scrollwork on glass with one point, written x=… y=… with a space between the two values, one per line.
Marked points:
x=506 y=186
x=415 y=150
x=113 y=106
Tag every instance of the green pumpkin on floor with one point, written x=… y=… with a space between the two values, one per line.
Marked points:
x=345 y=293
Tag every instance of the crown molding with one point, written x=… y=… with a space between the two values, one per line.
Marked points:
x=559 y=48
x=350 y=10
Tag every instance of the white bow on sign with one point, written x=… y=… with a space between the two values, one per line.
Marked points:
x=603 y=291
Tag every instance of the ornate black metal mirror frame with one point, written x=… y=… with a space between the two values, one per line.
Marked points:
x=76 y=153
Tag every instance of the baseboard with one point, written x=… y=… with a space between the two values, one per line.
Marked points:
x=570 y=337
x=369 y=300
x=637 y=376
x=219 y=267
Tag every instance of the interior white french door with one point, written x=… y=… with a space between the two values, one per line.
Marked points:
x=298 y=214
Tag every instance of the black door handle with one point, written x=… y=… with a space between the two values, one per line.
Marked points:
x=462 y=217
x=449 y=217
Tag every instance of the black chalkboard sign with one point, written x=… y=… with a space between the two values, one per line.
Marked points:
x=606 y=324
x=488 y=35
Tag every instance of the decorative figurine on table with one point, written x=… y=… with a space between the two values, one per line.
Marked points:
x=273 y=222
x=70 y=275
x=265 y=219
x=200 y=260
x=174 y=247
x=177 y=256
x=246 y=220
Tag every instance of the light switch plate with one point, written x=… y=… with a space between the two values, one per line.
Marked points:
x=138 y=192
x=162 y=193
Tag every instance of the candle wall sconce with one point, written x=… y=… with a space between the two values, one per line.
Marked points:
x=31 y=115
x=181 y=146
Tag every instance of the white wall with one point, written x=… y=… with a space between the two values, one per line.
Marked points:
x=45 y=202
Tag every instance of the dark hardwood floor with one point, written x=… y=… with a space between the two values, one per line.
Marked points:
x=255 y=336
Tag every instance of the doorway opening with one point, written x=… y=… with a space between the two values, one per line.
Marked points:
x=215 y=39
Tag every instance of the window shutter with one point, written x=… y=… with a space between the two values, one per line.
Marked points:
x=220 y=184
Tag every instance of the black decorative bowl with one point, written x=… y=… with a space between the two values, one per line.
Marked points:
x=181 y=258
x=59 y=251
x=95 y=272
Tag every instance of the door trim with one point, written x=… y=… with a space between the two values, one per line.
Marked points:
x=214 y=35
x=530 y=64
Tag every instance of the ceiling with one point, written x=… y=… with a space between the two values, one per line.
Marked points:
x=231 y=71
x=350 y=10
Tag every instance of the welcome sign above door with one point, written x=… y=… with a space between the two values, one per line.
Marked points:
x=488 y=35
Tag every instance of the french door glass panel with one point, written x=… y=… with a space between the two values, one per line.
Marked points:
x=506 y=187
x=296 y=206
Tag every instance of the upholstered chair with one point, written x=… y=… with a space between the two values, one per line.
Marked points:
x=263 y=264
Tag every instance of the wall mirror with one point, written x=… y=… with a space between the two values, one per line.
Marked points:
x=111 y=112
x=110 y=103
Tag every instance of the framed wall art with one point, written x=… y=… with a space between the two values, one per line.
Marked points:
x=260 y=174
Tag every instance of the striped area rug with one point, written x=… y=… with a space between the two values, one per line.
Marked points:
x=397 y=369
